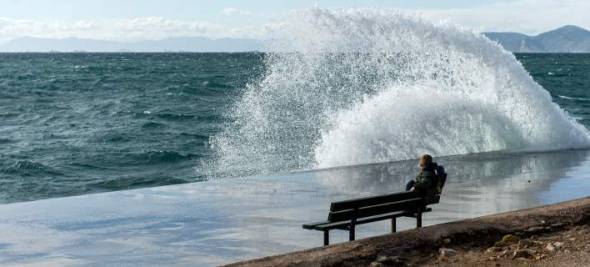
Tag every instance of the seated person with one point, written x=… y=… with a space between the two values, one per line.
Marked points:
x=428 y=183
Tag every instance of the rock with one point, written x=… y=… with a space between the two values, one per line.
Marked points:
x=522 y=253
x=558 y=244
x=507 y=240
x=550 y=247
x=493 y=250
x=504 y=253
x=567 y=251
x=446 y=241
x=572 y=239
x=535 y=229
x=447 y=252
x=541 y=256
x=382 y=258
x=557 y=225
x=391 y=260
x=525 y=243
x=376 y=264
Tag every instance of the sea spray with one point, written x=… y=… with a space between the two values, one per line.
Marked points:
x=360 y=86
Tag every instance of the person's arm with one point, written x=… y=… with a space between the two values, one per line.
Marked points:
x=410 y=185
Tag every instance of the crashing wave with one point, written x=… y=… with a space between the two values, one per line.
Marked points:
x=360 y=86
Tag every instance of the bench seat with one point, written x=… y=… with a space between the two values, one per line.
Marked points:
x=347 y=214
x=344 y=225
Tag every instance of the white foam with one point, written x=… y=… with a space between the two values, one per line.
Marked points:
x=359 y=86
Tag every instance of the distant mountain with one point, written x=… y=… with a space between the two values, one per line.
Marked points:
x=567 y=39
x=182 y=44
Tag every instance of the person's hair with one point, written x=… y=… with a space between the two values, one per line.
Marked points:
x=425 y=160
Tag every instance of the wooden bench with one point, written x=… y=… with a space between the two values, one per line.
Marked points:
x=346 y=215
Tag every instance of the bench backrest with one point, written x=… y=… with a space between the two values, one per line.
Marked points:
x=371 y=206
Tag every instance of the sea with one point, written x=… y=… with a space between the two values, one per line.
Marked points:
x=360 y=88
x=74 y=124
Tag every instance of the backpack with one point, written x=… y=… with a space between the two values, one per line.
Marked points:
x=441 y=176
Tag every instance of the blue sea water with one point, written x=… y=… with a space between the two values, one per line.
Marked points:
x=74 y=124
x=80 y=123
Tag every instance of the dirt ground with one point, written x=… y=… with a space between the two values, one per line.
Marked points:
x=540 y=246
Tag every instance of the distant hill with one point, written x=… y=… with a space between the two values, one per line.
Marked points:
x=567 y=39
x=183 y=44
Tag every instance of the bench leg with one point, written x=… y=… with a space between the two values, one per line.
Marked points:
x=419 y=219
x=394 y=224
x=326 y=237
x=351 y=232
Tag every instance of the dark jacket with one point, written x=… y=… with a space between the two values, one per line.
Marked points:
x=426 y=181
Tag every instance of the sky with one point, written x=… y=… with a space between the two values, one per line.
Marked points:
x=130 y=20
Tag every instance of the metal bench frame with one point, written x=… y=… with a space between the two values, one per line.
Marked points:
x=346 y=215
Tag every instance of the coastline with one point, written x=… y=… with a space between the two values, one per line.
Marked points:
x=428 y=245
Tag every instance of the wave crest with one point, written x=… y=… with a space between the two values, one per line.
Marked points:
x=358 y=86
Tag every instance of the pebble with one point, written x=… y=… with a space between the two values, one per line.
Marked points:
x=557 y=225
x=447 y=252
x=522 y=253
x=525 y=243
x=558 y=244
x=504 y=253
x=390 y=260
x=535 y=229
x=550 y=247
x=540 y=257
x=507 y=240
x=493 y=250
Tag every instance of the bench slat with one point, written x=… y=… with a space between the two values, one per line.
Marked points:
x=311 y=226
x=402 y=205
x=344 y=224
x=371 y=201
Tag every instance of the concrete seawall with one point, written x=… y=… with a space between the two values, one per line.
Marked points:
x=480 y=231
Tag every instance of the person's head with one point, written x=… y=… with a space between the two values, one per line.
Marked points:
x=425 y=161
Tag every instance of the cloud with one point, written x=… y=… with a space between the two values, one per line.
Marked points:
x=129 y=29
x=158 y=28
x=231 y=11
x=526 y=16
